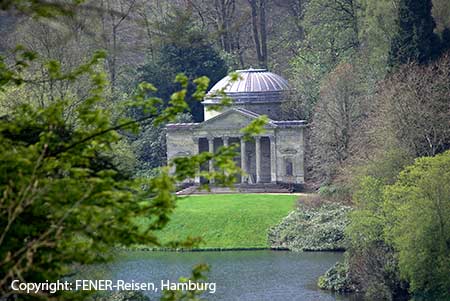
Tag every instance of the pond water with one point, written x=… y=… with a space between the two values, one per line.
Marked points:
x=239 y=275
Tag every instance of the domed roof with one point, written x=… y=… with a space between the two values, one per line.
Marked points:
x=252 y=85
x=252 y=80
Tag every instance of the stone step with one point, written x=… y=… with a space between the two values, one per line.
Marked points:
x=239 y=188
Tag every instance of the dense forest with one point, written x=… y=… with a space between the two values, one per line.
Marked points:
x=371 y=77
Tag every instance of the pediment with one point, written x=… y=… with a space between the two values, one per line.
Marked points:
x=231 y=119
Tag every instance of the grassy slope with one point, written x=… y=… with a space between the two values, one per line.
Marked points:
x=228 y=221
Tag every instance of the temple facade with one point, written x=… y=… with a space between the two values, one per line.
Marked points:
x=277 y=156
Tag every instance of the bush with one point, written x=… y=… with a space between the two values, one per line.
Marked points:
x=337 y=193
x=316 y=225
x=417 y=207
x=337 y=279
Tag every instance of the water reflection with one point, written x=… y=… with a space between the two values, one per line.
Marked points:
x=240 y=275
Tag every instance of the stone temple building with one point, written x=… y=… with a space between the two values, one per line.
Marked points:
x=276 y=156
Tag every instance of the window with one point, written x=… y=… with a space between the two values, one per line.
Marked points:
x=289 y=167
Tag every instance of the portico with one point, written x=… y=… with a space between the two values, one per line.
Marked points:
x=275 y=156
x=262 y=150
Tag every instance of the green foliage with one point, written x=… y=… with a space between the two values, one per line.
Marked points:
x=226 y=220
x=66 y=197
x=337 y=279
x=308 y=71
x=184 y=49
x=255 y=127
x=331 y=36
x=12 y=74
x=415 y=40
x=337 y=193
x=313 y=226
x=67 y=201
x=331 y=28
x=400 y=229
x=372 y=262
x=40 y=8
x=384 y=167
x=123 y=157
x=149 y=145
x=368 y=221
x=377 y=24
x=198 y=275
x=418 y=208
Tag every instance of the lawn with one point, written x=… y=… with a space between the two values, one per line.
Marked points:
x=228 y=220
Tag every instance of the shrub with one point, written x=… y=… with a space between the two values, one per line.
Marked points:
x=316 y=225
x=337 y=279
x=418 y=210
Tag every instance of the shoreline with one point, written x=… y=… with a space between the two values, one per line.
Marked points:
x=184 y=250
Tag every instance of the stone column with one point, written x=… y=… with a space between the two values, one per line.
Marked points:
x=211 y=150
x=273 y=160
x=225 y=140
x=196 y=152
x=225 y=144
x=243 y=160
x=258 y=158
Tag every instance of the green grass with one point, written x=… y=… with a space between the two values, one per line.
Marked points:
x=228 y=220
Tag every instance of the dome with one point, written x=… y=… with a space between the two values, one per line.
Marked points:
x=252 y=80
x=256 y=90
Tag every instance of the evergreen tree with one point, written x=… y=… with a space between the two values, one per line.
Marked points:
x=184 y=48
x=415 y=39
x=445 y=46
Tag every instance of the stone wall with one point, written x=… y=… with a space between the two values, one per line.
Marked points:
x=290 y=151
x=180 y=143
x=288 y=141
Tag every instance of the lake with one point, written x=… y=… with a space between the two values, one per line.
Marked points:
x=239 y=275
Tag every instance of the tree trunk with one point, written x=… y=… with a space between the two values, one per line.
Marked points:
x=254 y=9
x=262 y=24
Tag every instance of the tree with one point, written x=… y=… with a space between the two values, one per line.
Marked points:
x=445 y=47
x=331 y=31
x=65 y=201
x=220 y=14
x=377 y=24
x=415 y=40
x=258 y=17
x=113 y=17
x=412 y=109
x=441 y=9
x=150 y=144
x=339 y=113
x=418 y=211
x=185 y=49
x=373 y=267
